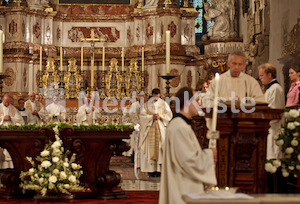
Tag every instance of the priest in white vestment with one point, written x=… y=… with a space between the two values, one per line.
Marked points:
x=186 y=167
x=26 y=114
x=275 y=97
x=9 y=115
x=56 y=112
x=235 y=84
x=37 y=109
x=88 y=114
x=154 y=119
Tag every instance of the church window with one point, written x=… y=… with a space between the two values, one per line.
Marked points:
x=201 y=25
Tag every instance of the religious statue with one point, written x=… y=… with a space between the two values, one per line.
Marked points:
x=150 y=4
x=38 y=4
x=222 y=13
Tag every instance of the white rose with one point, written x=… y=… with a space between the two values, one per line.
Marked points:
x=291 y=168
x=277 y=163
x=295 y=175
x=66 y=186
x=268 y=167
x=72 y=178
x=56 y=144
x=52 y=179
x=45 y=153
x=31 y=171
x=279 y=142
x=289 y=150
x=63 y=175
x=55 y=171
x=294 y=113
x=276 y=137
x=74 y=166
x=66 y=164
x=296 y=134
x=285 y=174
x=41 y=180
x=294 y=143
x=46 y=164
x=56 y=130
x=291 y=126
x=298 y=167
x=296 y=123
x=55 y=159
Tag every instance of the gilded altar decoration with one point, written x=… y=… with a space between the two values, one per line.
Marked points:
x=72 y=80
x=133 y=79
x=113 y=80
x=50 y=79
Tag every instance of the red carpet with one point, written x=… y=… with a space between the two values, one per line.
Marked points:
x=150 y=197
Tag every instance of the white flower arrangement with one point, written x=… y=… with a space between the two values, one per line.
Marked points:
x=288 y=141
x=54 y=171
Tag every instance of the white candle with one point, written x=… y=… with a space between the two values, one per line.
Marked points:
x=143 y=59
x=92 y=71
x=168 y=51
x=1 y=51
x=41 y=58
x=61 y=59
x=81 y=59
x=122 y=59
x=103 y=58
x=215 y=110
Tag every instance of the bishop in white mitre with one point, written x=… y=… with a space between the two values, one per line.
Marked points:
x=87 y=113
x=9 y=115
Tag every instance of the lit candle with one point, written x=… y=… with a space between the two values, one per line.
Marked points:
x=168 y=51
x=215 y=110
x=61 y=59
x=41 y=58
x=122 y=59
x=143 y=58
x=1 y=51
x=103 y=58
x=82 y=59
x=92 y=71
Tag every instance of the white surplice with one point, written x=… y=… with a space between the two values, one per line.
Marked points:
x=186 y=167
x=42 y=116
x=16 y=118
x=86 y=116
x=56 y=113
x=275 y=97
x=146 y=120
x=28 y=115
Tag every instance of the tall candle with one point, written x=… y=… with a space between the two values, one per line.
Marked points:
x=1 y=51
x=143 y=59
x=168 y=51
x=103 y=58
x=123 y=59
x=41 y=58
x=92 y=71
x=215 y=110
x=61 y=59
x=81 y=59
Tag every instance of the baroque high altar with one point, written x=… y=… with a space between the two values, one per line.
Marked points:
x=43 y=47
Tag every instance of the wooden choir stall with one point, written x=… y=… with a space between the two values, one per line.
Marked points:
x=241 y=147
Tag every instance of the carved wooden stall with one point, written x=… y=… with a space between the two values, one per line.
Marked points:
x=241 y=147
x=93 y=151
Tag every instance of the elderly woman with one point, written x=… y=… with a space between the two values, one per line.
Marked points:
x=293 y=94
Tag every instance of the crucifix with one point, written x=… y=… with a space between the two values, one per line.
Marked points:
x=92 y=39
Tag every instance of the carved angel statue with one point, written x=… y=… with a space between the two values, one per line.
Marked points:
x=151 y=4
x=222 y=13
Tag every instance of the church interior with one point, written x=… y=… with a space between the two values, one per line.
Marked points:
x=117 y=48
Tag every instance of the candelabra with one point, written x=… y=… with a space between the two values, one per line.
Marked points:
x=168 y=77
x=102 y=94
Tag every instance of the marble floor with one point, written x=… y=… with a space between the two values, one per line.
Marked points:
x=129 y=182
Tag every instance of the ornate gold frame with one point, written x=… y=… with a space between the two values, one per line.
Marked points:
x=131 y=76
x=72 y=71
x=111 y=74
